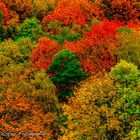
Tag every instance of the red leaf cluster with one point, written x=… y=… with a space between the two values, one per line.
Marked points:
x=20 y=7
x=124 y=10
x=96 y=49
x=73 y=12
x=68 y=13
x=4 y=11
x=43 y=54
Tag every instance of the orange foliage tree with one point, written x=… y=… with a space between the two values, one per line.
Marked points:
x=27 y=103
x=22 y=118
x=9 y=19
x=68 y=13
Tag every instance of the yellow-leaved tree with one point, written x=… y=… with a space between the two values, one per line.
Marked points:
x=90 y=112
x=105 y=106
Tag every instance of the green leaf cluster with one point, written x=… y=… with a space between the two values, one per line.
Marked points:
x=126 y=73
x=66 y=34
x=67 y=71
x=30 y=28
x=62 y=33
x=127 y=76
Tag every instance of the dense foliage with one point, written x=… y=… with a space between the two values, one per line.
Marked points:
x=96 y=49
x=69 y=69
x=43 y=54
x=66 y=71
x=105 y=107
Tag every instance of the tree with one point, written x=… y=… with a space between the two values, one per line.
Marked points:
x=129 y=49
x=126 y=73
x=15 y=52
x=27 y=103
x=4 y=11
x=96 y=49
x=68 y=12
x=66 y=71
x=105 y=106
x=29 y=28
x=42 y=7
x=124 y=10
x=127 y=77
x=90 y=112
x=20 y=7
x=44 y=52
x=0 y=25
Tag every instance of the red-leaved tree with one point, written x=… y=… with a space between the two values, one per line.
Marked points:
x=4 y=11
x=68 y=13
x=73 y=12
x=43 y=54
x=96 y=49
x=123 y=10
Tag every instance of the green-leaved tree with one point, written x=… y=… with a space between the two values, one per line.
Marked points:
x=66 y=72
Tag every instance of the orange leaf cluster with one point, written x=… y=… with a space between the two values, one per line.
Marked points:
x=23 y=115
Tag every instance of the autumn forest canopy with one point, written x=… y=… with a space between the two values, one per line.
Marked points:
x=69 y=69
